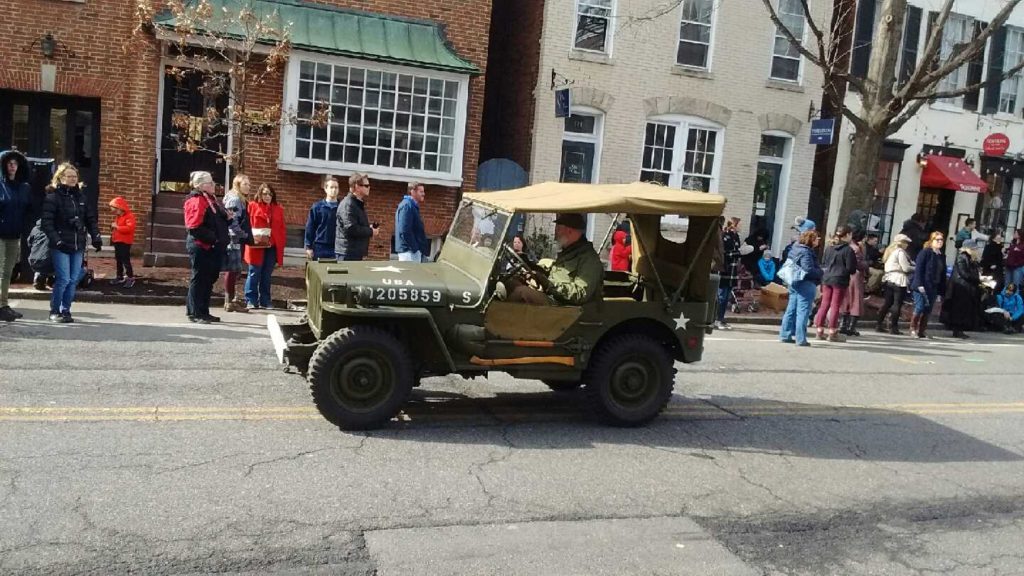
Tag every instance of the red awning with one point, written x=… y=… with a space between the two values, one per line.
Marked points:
x=952 y=174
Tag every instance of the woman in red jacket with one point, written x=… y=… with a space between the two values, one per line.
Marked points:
x=266 y=217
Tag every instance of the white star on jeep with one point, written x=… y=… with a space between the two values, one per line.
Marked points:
x=682 y=321
x=394 y=269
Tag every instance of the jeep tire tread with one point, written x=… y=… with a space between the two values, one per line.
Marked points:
x=629 y=380
x=360 y=377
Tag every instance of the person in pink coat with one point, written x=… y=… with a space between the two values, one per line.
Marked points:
x=266 y=217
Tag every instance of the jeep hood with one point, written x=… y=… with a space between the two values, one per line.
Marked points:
x=391 y=283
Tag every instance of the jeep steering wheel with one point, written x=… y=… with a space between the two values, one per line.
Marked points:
x=523 y=268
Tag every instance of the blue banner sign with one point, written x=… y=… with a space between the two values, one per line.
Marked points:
x=822 y=131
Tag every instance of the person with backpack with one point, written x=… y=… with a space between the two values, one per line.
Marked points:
x=67 y=217
x=15 y=203
x=839 y=264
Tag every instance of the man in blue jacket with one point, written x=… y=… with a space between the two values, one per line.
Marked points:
x=411 y=242
x=322 y=223
x=15 y=202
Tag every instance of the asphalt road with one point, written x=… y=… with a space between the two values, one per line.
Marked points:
x=133 y=441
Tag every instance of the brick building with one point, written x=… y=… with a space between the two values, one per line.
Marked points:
x=701 y=95
x=78 y=86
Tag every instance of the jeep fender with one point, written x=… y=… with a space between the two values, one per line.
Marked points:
x=415 y=327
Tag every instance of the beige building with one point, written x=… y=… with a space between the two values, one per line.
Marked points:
x=704 y=96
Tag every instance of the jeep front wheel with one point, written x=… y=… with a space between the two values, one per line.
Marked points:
x=360 y=377
x=629 y=381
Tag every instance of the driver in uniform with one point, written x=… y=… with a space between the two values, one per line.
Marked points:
x=576 y=275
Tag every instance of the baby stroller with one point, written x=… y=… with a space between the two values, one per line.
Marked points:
x=745 y=293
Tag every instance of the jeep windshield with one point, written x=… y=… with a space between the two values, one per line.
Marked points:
x=475 y=238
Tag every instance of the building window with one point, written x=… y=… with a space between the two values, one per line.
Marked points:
x=1009 y=90
x=695 y=34
x=682 y=153
x=883 y=205
x=786 y=60
x=389 y=121
x=581 y=147
x=593 y=25
x=958 y=30
x=1000 y=208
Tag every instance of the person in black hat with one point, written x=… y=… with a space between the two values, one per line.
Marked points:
x=577 y=274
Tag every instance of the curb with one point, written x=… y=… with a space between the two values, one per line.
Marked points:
x=129 y=299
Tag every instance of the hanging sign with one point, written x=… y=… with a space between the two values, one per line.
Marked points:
x=996 y=144
x=821 y=131
x=563 y=103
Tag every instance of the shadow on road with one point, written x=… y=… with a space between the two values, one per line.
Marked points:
x=726 y=424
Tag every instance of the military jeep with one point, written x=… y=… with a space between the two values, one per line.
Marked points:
x=372 y=330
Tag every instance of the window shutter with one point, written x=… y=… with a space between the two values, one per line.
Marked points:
x=911 y=40
x=995 y=71
x=862 y=35
x=975 y=69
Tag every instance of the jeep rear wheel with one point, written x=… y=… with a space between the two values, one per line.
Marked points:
x=360 y=377
x=629 y=380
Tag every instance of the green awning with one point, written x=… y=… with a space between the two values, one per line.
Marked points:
x=331 y=30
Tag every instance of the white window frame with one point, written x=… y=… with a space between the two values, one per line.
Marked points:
x=779 y=238
x=609 y=31
x=958 y=78
x=800 y=58
x=711 y=35
x=683 y=125
x=1015 y=82
x=288 y=161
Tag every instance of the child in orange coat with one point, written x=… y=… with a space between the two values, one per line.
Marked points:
x=122 y=235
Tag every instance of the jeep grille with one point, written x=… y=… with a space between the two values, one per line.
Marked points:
x=313 y=297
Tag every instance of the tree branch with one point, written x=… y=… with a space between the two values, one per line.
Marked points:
x=968 y=89
x=896 y=123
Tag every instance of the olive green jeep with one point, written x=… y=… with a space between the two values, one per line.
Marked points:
x=372 y=330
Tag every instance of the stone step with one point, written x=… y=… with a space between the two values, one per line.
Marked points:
x=167 y=245
x=165 y=260
x=169 y=216
x=169 y=231
x=170 y=200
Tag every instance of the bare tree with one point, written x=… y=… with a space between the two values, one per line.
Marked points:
x=887 y=103
x=235 y=50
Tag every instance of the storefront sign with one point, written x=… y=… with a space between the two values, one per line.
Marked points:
x=821 y=131
x=996 y=144
x=563 y=103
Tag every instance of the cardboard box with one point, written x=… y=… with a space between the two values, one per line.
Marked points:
x=775 y=297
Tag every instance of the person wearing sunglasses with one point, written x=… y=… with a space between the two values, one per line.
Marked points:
x=354 y=230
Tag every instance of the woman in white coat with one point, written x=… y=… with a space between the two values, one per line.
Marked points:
x=898 y=268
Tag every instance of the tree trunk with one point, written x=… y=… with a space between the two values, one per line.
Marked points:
x=861 y=174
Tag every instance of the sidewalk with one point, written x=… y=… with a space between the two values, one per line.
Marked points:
x=166 y=286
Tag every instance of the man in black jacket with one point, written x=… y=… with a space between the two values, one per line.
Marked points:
x=354 y=230
x=207 y=225
x=14 y=208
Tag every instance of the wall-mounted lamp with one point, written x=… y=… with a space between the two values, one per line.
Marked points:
x=49 y=45
x=969 y=162
x=922 y=159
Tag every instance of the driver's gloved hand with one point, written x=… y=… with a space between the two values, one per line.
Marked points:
x=543 y=281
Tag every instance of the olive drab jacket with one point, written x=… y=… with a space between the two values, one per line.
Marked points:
x=577 y=274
